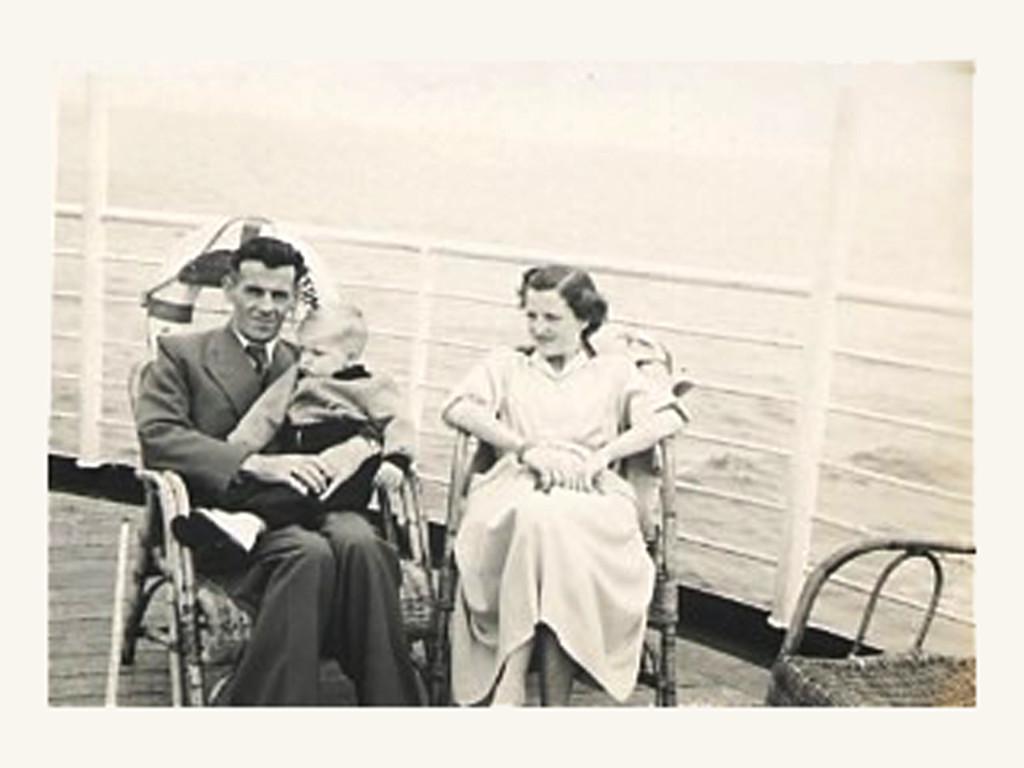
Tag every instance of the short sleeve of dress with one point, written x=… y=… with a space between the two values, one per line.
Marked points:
x=485 y=382
x=647 y=390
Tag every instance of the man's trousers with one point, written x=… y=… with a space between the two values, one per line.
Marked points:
x=329 y=593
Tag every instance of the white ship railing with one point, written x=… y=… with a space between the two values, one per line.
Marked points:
x=418 y=382
x=804 y=455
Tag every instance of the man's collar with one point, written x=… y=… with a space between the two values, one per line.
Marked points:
x=270 y=345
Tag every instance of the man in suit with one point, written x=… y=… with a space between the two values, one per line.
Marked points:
x=329 y=592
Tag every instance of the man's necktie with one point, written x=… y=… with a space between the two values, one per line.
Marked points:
x=258 y=354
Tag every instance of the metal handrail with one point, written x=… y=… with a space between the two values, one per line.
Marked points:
x=111 y=257
x=908 y=485
x=923 y=302
x=846 y=583
x=902 y=362
x=769 y=285
x=915 y=424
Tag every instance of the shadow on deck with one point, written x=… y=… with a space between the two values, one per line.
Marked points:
x=83 y=535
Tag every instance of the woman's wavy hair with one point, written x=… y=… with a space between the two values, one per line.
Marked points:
x=576 y=288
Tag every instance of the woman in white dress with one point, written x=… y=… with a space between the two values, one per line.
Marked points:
x=550 y=551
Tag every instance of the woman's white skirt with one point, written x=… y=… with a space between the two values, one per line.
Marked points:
x=573 y=561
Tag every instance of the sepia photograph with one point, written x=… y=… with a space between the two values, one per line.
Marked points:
x=607 y=384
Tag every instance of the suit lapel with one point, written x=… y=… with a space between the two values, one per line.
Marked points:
x=229 y=367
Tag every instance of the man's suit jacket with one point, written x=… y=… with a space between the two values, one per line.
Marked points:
x=190 y=397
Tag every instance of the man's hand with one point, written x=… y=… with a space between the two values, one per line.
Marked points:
x=305 y=473
x=389 y=477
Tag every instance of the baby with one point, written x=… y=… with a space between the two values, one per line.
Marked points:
x=328 y=404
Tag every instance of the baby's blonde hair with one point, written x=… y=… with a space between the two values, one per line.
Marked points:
x=341 y=323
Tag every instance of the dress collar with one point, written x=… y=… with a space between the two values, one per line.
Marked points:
x=539 y=362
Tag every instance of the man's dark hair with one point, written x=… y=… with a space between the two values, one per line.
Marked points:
x=270 y=252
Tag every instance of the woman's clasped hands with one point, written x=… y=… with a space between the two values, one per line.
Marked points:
x=564 y=465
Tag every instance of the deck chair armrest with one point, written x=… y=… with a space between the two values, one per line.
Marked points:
x=399 y=509
x=404 y=525
x=470 y=456
x=652 y=475
x=166 y=499
x=168 y=489
x=404 y=520
x=665 y=452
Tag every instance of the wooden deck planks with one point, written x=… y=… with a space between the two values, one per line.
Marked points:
x=82 y=565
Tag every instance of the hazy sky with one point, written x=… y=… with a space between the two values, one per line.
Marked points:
x=714 y=108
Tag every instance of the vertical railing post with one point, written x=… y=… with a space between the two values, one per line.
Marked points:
x=91 y=317
x=819 y=341
x=428 y=266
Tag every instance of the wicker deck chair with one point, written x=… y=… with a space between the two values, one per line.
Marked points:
x=653 y=477
x=912 y=678
x=203 y=630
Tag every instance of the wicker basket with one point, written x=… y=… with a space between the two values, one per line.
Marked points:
x=885 y=680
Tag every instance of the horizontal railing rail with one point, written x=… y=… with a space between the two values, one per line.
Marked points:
x=919 y=425
x=902 y=362
x=931 y=303
x=844 y=582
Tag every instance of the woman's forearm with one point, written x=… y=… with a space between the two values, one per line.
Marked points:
x=475 y=419
x=643 y=436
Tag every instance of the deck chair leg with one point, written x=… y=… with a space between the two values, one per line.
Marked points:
x=665 y=625
x=433 y=670
x=440 y=683
x=146 y=576
x=174 y=650
x=185 y=659
x=441 y=675
x=666 y=696
x=141 y=593
x=186 y=642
